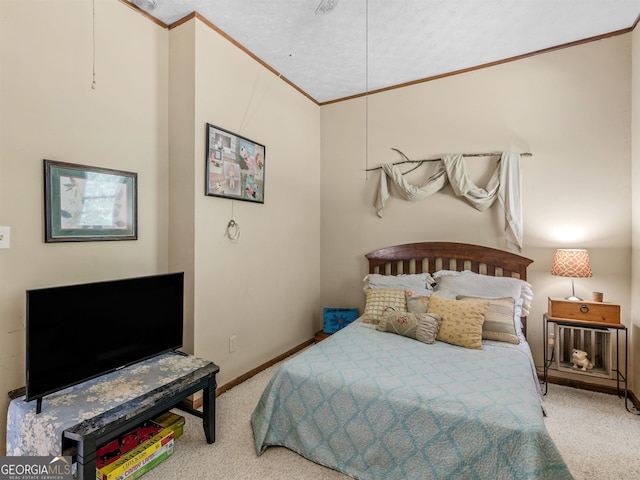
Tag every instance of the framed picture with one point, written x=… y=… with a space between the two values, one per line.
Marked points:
x=234 y=166
x=84 y=203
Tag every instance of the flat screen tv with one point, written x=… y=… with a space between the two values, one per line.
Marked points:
x=78 y=332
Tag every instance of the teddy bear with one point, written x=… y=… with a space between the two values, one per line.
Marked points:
x=579 y=358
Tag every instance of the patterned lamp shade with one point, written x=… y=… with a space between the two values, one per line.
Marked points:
x=572 y=263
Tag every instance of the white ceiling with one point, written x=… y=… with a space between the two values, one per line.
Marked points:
x=364 y=45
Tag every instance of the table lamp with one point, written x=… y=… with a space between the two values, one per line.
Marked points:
x=574 y=263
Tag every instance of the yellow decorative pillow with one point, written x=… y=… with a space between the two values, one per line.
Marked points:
x=461 y=320
x=499 y=321
x=382 y=300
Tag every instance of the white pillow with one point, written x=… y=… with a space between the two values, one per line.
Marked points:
x=517 y=320
x=421 y=282
x=451 y=284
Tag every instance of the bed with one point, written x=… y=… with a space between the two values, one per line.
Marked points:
x=382 y=404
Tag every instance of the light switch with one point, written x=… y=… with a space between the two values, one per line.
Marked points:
x=5 y=237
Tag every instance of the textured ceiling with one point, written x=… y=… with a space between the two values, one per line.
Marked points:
x=364 y=45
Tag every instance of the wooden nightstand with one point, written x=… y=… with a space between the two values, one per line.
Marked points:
x=320 y=335
x=598 y=313
x=586 y=326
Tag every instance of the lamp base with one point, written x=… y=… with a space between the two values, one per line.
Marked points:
x=573 y=298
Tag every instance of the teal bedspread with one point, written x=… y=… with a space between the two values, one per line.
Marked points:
x=377 y=405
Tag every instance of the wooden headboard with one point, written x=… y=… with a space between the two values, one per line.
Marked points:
x=433 y=256
x=429 y=257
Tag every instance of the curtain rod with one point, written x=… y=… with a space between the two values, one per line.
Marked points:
x=407 y=160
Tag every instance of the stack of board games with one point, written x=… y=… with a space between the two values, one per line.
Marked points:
x=139 y=450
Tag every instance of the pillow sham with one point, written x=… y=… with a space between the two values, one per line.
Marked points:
x=499 y=321
x=417 y=301
x=517 y=320
x=411 y=281
x=461 y=320
x=381 y=300
x=420 y=326
x=450 y=283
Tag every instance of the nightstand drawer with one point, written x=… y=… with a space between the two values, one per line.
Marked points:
x=584 y=311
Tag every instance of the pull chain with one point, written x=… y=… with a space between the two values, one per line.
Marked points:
x=93 y=83
x=233 y=229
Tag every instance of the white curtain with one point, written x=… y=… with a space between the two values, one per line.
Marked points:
x=505 y=185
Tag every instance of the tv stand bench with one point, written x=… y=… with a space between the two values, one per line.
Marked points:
x=77 y=420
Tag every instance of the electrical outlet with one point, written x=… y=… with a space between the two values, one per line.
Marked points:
x=233 y=343
x=5 y=236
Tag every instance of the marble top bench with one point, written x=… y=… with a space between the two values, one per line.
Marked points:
x=81 y=417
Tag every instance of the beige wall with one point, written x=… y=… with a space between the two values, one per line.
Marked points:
x=635 y=210
x=240 y=288
x=570 y=108
x=50 y=111
x=182 y=167
x=156 y=89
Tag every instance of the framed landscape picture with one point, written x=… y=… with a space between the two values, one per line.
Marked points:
x=235 y=166
x=85 y=203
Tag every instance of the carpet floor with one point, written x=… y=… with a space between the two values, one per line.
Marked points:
x=595 y=434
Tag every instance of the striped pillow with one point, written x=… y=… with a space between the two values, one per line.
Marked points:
x=428 y=327
x=499 y=320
